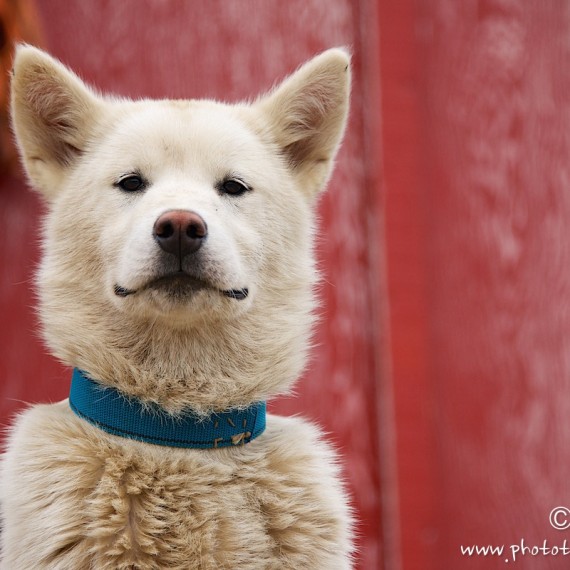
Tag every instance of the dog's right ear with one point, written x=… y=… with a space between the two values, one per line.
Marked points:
x=307 y=115
x=53 y=116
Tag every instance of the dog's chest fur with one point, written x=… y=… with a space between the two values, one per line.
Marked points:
x=110 y=503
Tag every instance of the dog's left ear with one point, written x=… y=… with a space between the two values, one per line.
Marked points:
x=53 y=115
x=307 y=116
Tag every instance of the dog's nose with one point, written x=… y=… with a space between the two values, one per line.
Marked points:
x=180 y=232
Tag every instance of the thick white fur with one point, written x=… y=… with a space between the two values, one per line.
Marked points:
x=74 y=497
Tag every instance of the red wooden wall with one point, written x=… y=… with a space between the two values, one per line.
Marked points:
x=476 y=141
x=442 y=365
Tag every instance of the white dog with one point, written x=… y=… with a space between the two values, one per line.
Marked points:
x=177 y=279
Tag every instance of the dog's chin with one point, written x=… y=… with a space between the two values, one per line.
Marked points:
x=178 y=287
x=183 y=295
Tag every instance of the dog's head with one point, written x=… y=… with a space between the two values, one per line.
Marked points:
x=177 y=247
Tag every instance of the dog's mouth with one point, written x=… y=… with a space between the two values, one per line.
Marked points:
x=181 y=285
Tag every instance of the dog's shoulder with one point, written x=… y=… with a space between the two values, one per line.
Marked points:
x=302 y=441
x=43 y=429
x=301 y=485
x=40 y=473
x=46 y=458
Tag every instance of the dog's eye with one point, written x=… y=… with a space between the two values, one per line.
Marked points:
x=233 y=187
x=131 y=183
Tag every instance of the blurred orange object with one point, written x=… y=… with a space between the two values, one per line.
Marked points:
x=19 y=22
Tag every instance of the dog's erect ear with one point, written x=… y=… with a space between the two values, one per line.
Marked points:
x=307 y=115
x=53 y=114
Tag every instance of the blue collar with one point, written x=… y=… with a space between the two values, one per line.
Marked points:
x=115 y=413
